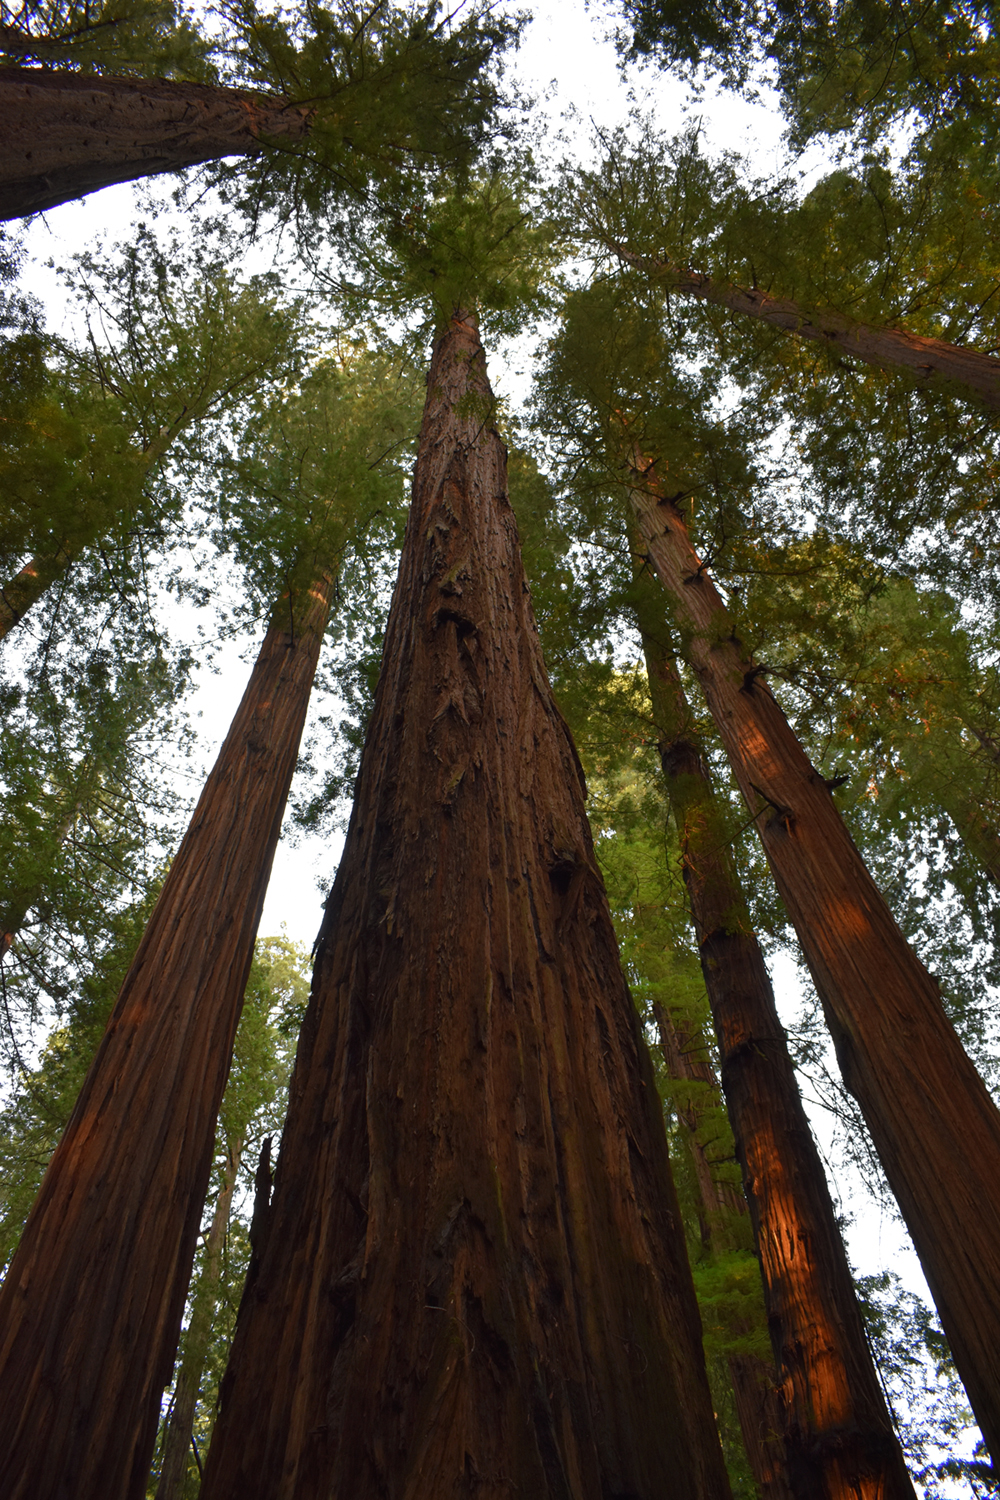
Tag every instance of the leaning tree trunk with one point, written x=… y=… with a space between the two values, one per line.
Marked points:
x=839 y=1437
x=91 y=1306
x=473 y=1278
x=933 y=1123
x=66 y=134
x=27 y=587
x=931 y=361
x=179 y=1434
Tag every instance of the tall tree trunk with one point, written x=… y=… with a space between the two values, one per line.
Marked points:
x=91 y=1307
x=474 y=1278
x=933 y=1123
x=839 y=1437
x=66 y=134
x=759 y=1408
x=180 y=1426
x=931 y=361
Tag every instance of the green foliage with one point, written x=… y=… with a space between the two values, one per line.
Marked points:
x=481 y=246
x=869 y=67
x=315 y=474
x=397 y=95
x=85 y=810
x=932 y=1415
x=143 y=37
x=172 y=340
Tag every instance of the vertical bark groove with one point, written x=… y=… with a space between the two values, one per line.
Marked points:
x=934 y=1125
x=474 y=1280
x=90 y=1309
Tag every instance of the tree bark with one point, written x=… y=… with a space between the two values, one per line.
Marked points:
x=933 y=362
x=63 y=135
x=839 y=1438
x=685 y=1056
x=180 y=1426
x=91 y=1306
x=28 y=586
x=759 y=1409
x=933 y=1123
x=474 y=1279
x=762 y=1423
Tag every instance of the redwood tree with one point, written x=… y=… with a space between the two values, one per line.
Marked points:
x=928 y=360
x=91 y=1306
x=838 y=1434
x=66 y=134
x=472 y=1276
x=340 y=101
x=933 y=1123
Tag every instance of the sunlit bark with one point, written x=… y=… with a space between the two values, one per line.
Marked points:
x=473 y=1279
x=27 y=587
x=933 y=1123
x=91 y=1306
x=838 y=1433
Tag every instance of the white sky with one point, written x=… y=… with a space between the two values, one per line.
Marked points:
x=565 y=59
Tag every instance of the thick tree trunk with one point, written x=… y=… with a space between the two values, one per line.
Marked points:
x=474 y=1279
x=933 y=1123
x=91 y=1307
x=180 y=1426
x=933 y=362
x=839 y=1437
x=63 y=135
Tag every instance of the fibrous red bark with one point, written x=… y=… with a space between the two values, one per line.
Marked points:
x=932 y=1121
x=931 y=361
x=473 y=1280
x=63 y=135
x=90 y=1309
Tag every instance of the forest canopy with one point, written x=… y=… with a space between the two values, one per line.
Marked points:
x=748 y=408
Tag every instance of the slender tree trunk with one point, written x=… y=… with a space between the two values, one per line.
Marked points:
x=762 y=1423
x=27 y=587
x=978 y=834
x=758 y=1407
x=180 y=1427
x=91 y=1307
x=63 y=135
x=685 y=1057
x=933 y=1123
x=474 y=1279
x=931 y=361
